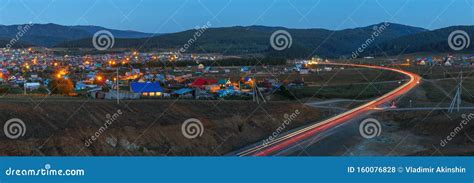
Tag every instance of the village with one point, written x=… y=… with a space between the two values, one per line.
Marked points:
x=123 y=76
x=133 y=75
x=448 y=61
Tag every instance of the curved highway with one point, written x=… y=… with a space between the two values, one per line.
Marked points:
x=291 y=139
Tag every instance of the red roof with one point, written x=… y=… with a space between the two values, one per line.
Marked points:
x=211 y=81
x=199 y=82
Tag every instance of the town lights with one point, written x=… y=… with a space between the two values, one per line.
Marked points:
x=112 y=62
x=62 y=72
x=172 y=58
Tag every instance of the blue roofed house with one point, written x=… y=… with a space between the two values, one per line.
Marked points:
x=149 y=89
x=182 y=91
x=245 y=69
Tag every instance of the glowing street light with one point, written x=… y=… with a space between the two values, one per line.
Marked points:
x=112 y=62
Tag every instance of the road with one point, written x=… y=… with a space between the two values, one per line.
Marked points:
x=318 y=103
x=292 y=139
x=426 y=109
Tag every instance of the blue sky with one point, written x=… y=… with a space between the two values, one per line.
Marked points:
x=163 y=16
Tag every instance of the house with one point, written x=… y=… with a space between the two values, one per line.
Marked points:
x=150 y=89
x=207 y=69
x=202 y=94
x=32 y=85
x=297 y=67
x=200 y=66
x=304 y=71
x=182 y=78
x=96 y=93
x=160 y=77
x=82 y=85
x=213 y=88
x=121 y=95
x=422 y=62
x=327 y=68
x=448 y=63
x=186 y=92
x=34 y=76
x=201 y=82
x=224 y=82
x=228 y=91
x=17 y=79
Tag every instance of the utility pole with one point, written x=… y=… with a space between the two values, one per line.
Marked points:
x=257 y=94
x=457 y=97
x=117 y=85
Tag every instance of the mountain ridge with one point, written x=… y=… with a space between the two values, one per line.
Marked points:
x=49 y=35
x=254 y=39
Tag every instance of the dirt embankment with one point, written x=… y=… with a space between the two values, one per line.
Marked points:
x=432 y=133
x=422 y=132
x=150 y=127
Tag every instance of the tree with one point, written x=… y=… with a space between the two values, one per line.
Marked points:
x=283 y=91
x=61 y=86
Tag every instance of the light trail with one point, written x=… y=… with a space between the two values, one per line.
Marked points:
x=292 y=138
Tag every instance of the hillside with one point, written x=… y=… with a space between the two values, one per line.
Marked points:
x=60 y=127
x=4 y=42
x=48 y=35
x=429 y=41
x=240 y=40
x=255 y=39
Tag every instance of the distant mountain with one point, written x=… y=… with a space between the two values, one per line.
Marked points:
x=392 y=40
x=49 y=35
x=255 y=39
x=116 y=33
x=428 y=41
x=18 y=44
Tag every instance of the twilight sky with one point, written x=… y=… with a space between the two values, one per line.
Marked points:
x=164 y=16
